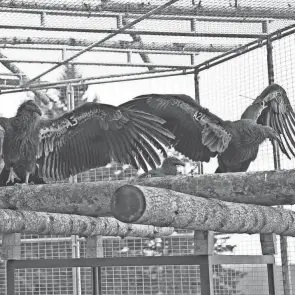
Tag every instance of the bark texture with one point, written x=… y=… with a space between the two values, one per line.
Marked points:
x=93 y=199
x=162 y=207
x=42 y=223
x=90 y=199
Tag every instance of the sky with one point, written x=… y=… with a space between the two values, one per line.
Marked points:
x=226 y=89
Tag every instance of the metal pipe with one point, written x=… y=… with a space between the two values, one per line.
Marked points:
x=74 y=269
x=139 y=78
x=129 y=25
x=82 y=80
x=115 y=50
x=116 y=46
x=246 y=48
x=189 y=72
x=115 y=8
x=197 y=98
x=118 y=15
x=277 y=165
x=138 y=32
x=89 y=63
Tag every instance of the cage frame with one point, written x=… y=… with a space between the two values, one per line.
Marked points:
x=262 y=39
x=204 y=261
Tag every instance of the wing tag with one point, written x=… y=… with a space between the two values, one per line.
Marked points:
x=198 y=116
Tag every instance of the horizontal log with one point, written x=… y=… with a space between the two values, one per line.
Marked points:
x=93 y=199
x=42 y=223
x=163 y=207
x=133 y=46
x=141 y=8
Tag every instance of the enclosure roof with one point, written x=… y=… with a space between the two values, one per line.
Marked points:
x=196 y=30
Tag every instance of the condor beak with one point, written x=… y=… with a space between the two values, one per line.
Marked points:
x=38 y=111
x=179 y=163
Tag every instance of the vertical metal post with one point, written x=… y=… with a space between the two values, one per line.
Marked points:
x=270 y=267
x=43 y=19
x=193 y=25
x=204 y=241
x=96 y=280
x=193 y=61
x=129 y=57
x=78 y=269
x=277 y=166
x=119 y=21
x=73 y=179
x=268 y=247
x=74 y=272
x=94 y=248
x=197 y=98
x=203 y=245
x=10 y=279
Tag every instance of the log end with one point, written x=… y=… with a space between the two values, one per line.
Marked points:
x=128 y=203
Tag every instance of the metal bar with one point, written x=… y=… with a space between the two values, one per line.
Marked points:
x=138 y=32
x=113 y=7
x=96 y=280
x=246 y=48
x=243 y=259
x=86 y=63
x=277 y=166
x=42 y=84
x=197 y=98
x=206 y=278
x=10 y=280
x=129 y=25
x=74 y=269
x=287 y=283
x=271 y=278
x=118 y=15
x=138 y=261
x=139 y=78
x=136 y=38
x=97 y=82
x=39 y=95
x=123 y=50
x=116 y=46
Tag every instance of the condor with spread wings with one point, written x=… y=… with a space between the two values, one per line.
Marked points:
x=201 y=135
x=89 y=136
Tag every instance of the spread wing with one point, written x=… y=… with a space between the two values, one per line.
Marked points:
x=93 y=134
x=199 y=134
x=278 y=114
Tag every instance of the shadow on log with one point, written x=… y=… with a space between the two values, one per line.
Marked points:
x=162 y=207
x=42 y=223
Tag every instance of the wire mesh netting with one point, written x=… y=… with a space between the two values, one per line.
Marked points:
x=232 y=85
x=35 y=35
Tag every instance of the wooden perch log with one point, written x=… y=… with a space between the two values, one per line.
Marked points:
x=93 y=199
x=162 y=207
x=42 y=223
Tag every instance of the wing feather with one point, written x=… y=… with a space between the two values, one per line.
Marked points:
x=93 y=134
x=279 y=115
x=185 y=118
